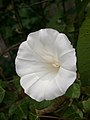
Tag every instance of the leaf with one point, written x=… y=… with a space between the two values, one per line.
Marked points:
x=81 y=6
x=10 y=98
x=74 y=90
x=33 y=116
x=2 y=116
x=16 y=81
x=39 y=105
x=0 y=82
x=20 y=109
x=83 y=51
x=86 y=105
x=2 y=94
x=73 y=113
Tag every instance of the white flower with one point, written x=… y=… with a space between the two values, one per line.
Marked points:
x=46 y=63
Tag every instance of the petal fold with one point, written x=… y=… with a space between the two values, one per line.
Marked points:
x=68 y=60
x=37 y=85
x=65 y=79
x=27 y=61
x=63 y=44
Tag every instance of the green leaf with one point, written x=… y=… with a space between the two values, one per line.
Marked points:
x=23 y=11
x=81 y=6
x=33 y=116
x=20 y=109
x=2 y=94
x=2 y=116
x=86 y=105
x=10 y=98
x=16 y=81
x=73 y=113
x=83 y=52
x=39 y=105
x=74 y=90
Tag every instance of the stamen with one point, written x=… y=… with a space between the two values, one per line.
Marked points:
x=56 y=65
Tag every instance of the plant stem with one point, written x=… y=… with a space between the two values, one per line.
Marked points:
x=55 y=105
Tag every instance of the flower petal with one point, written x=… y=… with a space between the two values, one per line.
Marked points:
x=27 y=61
x=47 y=38
x=63 y=44
x=35 y=85
x=68 y=60
x=37 y=91
x=42 y=42
x=52 y=90
x=65 y=79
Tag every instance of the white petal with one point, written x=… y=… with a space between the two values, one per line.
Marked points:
x=25 y=67
x=37 y=90
x=68 y=60
x=43 y=38
x=35 y=85
x=27 y=61
x=27 y=53
x=65 y=79
x=47 y=38
x=29 y=80
x=63 y=44
x=52 y=90
x=42 y=42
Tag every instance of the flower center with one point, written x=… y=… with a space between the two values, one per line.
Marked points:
x=55 y=64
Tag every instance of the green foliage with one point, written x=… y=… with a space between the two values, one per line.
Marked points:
x=19 y=109
x=73 y=113
x=2 y=116
x=86 y=105
x=10 y=97
x=39 y=105
x=83 y=51
x=74 y=90
x=2 y=94
x=17 y=19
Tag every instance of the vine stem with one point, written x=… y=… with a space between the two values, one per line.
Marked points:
x=10 y=48
x=55 y=105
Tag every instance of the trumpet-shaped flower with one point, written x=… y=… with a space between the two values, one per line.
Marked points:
x=46 y=63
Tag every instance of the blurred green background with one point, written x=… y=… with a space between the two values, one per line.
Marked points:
x=20 y=17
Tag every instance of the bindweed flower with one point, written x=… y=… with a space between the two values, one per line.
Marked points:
x=46 y=63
